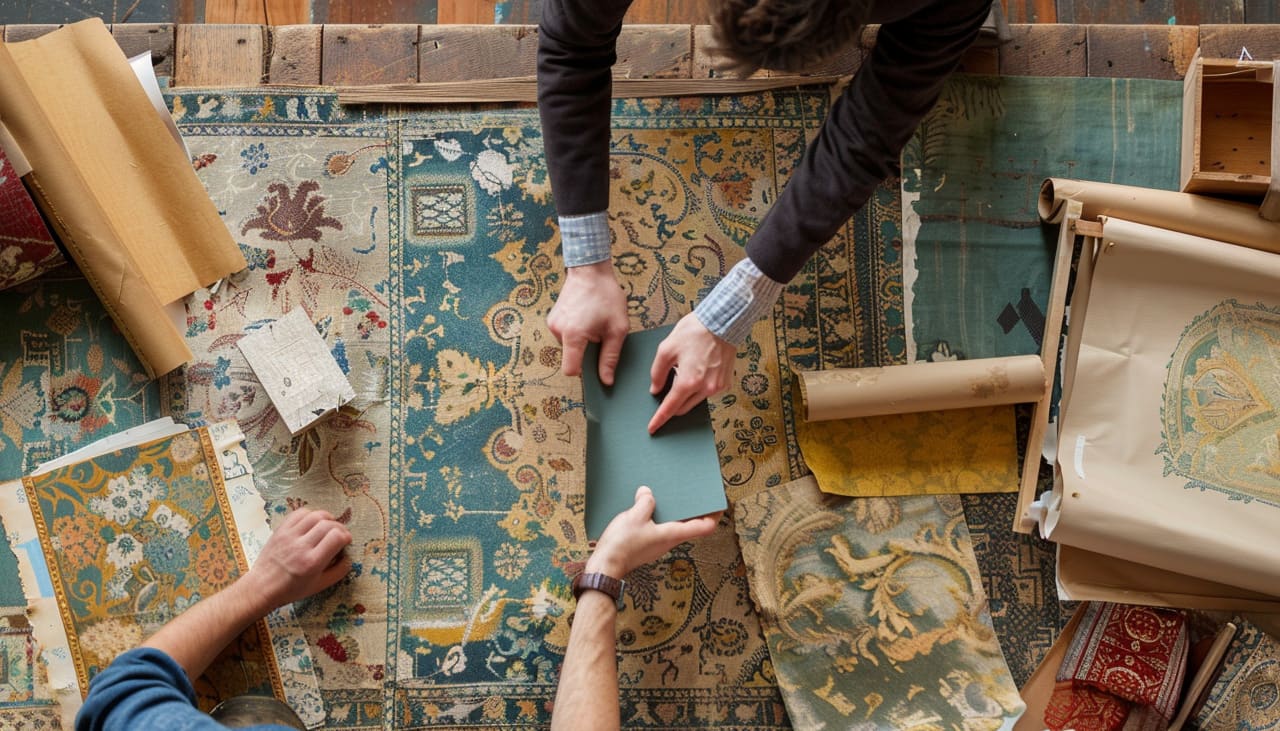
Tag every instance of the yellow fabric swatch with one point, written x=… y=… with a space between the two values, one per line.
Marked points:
x=925 y=453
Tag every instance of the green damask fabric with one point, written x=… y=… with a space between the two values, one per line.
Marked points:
x=874 y=611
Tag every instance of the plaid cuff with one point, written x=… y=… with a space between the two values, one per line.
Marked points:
x=734 y=305
x=584 y=239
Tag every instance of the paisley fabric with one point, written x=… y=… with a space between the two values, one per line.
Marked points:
x=1246 y=695
x=27 y=248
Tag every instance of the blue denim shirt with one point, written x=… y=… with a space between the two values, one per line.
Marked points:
x=145 y=689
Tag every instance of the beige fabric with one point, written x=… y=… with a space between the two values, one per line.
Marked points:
x=1087 y=576
x=1115 y=497
x=123 y=198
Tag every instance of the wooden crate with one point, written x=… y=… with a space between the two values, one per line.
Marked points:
x=1231 y=130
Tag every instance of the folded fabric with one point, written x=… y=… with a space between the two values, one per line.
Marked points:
x=27 y=249
x=1246 y=694
x=1123 y=670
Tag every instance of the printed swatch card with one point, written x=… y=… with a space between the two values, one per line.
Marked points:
x=679 y=463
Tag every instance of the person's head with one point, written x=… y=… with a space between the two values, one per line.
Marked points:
x=783 y=35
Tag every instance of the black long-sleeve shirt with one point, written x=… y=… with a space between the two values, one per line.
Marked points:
x=920 y=43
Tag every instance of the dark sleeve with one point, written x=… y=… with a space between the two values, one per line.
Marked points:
x=859 y=144
x=144 y=690
x=576 y=50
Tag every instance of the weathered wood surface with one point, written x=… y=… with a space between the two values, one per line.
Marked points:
x=369 y=54
x=219 y=55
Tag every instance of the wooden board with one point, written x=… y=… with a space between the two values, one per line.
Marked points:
x=1141 y=51
x=53 y=12
x=373 y=11
x=685 y=12
x=219 y=55
x=1031 y=11
x=467 y=12
x=454 y=52
x=525 y=89
x=655 y=52
x=288 y=12
x=158 y=38
x=235 y=11
x=1154 y=12
x=1225 y=41
x=19 y=33
x=369 y=54
x=295 y=55
x=980 y=60
x=1045 y=50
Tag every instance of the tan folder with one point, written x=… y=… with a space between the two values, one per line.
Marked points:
x=120 y=193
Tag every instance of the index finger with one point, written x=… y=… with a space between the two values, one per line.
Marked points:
x=571 y=355
x=681 y=393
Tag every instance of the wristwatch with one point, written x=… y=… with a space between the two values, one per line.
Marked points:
x=612 y=587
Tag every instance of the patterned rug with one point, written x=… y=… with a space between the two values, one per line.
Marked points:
x=422 y=245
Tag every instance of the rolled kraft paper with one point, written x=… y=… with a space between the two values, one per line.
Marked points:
x=1222 y=220
x=850 y=393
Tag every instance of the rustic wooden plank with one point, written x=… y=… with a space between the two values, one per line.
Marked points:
x=1261 y=11
x=135 y=38
x=670 y=12
x=655 y=52
x=365 y=12
x=1226 y=41
x=526 y=89
x=1045 y=50
x=19 y=33
x=54 y=12
x=1141 y=51
x=288 y=12
x=1031 y=11
x=980 y=60
x=453 y=52
x=369 y=54
x=1151 y=12
x=845 y=62
x=518 y=12
x=466 y=12
x=295 y=55
x=235 y=11
x=219 y=55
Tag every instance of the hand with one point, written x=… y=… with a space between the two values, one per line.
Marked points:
x=303 y=556
x=591 y=308
x=703 y=363
x=632 y=538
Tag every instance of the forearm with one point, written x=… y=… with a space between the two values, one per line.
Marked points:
x=576 y=51
x=864 y=133
x=588 y=693
x=195 y=637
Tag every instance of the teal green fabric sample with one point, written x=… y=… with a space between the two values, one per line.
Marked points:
x=971 y=176
x=679 y=463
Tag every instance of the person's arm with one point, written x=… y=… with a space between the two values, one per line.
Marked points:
x=151 y=686
x=587 y=696
x=856 y=148
x=576 y=51
x=302 y=557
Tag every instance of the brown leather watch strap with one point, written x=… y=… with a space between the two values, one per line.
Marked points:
x=614 y=588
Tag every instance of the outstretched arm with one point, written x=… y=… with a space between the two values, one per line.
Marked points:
x=576 y=52
x=302 y=557
x=587 y=696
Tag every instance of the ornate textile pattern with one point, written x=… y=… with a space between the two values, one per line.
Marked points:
x=490 y=440
x=24 y=700
x=1246 y=695
x=978 y=261
x=928 y=453
x=1136 y=656
x=1219 y=404
x=874 y=611
x=26 y=247
x=1018 y=579
x=119 y=544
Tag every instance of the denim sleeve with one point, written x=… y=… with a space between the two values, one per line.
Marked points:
x=145 y=689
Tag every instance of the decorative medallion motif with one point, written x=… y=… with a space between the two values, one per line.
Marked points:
x=1220 y=428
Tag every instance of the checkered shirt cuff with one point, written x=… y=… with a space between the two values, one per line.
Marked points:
x=584 y=239
x=734 y=305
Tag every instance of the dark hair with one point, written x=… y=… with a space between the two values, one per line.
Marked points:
x=784 y=35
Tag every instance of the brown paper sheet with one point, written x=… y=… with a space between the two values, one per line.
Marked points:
x=1088 y=576
x=849 y=393
x=1229 y=221
x=125 y=201
x=1119 y=496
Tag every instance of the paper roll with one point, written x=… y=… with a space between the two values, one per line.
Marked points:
x=849 y=393
x=1222 y=220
